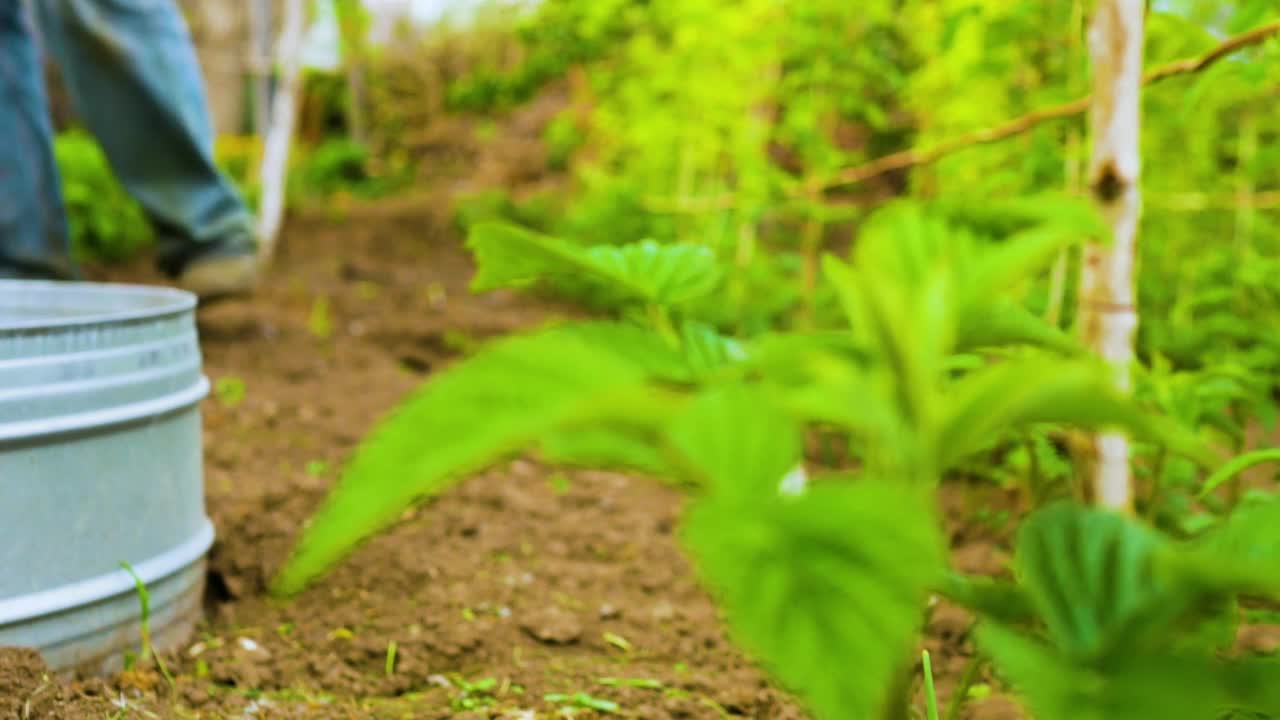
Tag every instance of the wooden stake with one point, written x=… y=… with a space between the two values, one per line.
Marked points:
x=279 y=135
x=1107 y=313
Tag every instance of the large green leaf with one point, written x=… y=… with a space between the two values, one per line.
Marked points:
x=909 y=330
x=1005 y=217
x=993 y=268
x=1106 y=585
x=1002 y=322
x=1136 y=685
x=826 y=588
x=1132 y=619
x=903 y=248
x=1244 y=550
x=738 y=440
x=986 y=272
x=596 y=446
x=706 y=350
x=828 y=379
x=498 y=401
x=511 y=256
x=1007 y=395
x=664 y=274
x=990 y=598
x=1238 y=465
x=901 y=276
x=1094 y=577
x=921 y=290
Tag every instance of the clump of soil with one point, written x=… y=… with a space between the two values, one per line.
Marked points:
x=29 y=691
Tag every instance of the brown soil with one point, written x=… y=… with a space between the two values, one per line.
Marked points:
x=28 y=690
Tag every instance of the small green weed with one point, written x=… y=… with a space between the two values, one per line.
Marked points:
x=389 y=665
x=582 y=700
x=559 y=483
x=320 y=321
x=930 y=696
x=648 y=683
x=474 y=694
x=144 y=602
x=617 y=641
x=230 y=391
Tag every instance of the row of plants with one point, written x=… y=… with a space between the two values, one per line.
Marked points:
x=731 y=144
x=826 y=561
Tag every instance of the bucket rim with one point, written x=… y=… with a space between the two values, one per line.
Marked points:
x=153 y=301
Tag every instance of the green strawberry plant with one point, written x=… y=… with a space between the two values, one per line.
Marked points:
x=1119 y=621
x=934 y=361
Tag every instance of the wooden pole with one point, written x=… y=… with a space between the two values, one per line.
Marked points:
x=275 y=153
x=1107 y=312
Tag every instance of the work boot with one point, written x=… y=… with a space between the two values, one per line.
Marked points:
x=216 y=276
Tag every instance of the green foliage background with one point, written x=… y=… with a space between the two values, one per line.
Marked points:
x=104 y=221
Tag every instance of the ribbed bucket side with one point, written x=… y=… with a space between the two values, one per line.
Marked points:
x=100 y=464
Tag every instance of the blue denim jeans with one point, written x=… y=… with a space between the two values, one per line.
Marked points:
x=133 y=79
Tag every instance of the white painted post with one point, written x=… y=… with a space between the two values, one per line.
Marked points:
x=279 y=133
x=1108 y=314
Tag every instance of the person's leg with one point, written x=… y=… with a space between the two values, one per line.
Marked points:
x=33 y=227
x=132 y=74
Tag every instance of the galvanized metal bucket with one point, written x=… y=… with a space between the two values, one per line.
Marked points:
x=100 y=464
